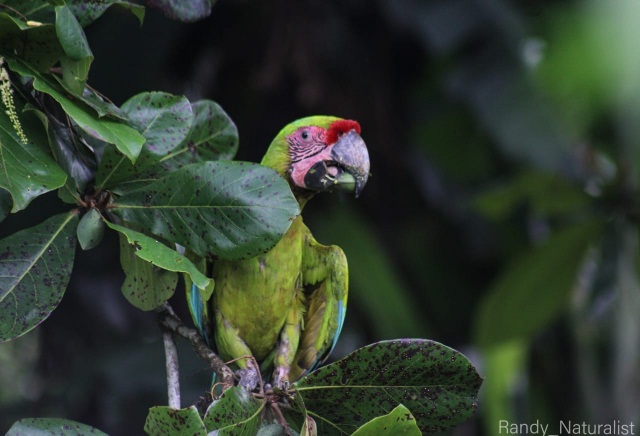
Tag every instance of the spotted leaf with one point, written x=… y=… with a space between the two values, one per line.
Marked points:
x=297 y=417
x=37 y=45
x=436 y=383
x=27 y=169
x=145 y=285
x=88 y=11
x=51 y=426
x=164 y=120
x=235 y=412
x=232 y=210
x=201 y=131
x=213 y=136
x=398 y=421
x=35 y=266
x=150 y=268
x=165 y=420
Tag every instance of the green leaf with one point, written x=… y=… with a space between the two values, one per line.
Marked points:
x=230 y=209
x=88 y=96
x=68 y=194
x=213 y=136
x=297 y=417
x=115 y=170
x=127 y=139
x=35 y=267
x=74 y=74
x=438 y=384
x=38 y=46
x=25 y=8
x=90 y=229
x=162 y=118
x=77 y=160
x=87 y=12
x=26 y=170
x=34 y=10
x=235 y=412
x=163 y=420
x=536 y=287
x=51 y=426
x=102 y=107
x=160 y=255
x=145 y=285
x=184 y=10
x=11 y=26
x=201 y=265
x=398 y=421
x=71 y=36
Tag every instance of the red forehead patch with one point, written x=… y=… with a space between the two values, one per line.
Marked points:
x=339 y=128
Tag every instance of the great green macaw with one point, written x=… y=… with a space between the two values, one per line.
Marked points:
x=286 y=307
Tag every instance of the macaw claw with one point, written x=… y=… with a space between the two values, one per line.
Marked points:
x=249 y=378
x=281 y=378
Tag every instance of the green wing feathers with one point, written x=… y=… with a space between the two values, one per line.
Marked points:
x=326 y=283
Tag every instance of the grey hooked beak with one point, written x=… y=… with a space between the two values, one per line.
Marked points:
x=352 y=157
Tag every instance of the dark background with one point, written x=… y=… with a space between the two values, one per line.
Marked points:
x=457 y=100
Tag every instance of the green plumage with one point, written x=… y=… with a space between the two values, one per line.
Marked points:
x=285 y=307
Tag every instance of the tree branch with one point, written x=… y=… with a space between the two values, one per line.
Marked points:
x=173 y=371
x=170 y=321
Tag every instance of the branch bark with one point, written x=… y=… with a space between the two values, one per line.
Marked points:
x=173 y=370
x=170 y=321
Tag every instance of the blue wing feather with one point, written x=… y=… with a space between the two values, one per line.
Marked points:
x=341 y=316
x=198 y=311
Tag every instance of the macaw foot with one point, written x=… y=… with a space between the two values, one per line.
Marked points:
x=281 y=378
x=249 y=376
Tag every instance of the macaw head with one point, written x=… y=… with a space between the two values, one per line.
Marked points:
x=320 y=153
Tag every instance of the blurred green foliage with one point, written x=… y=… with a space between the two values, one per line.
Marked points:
x=501 y=217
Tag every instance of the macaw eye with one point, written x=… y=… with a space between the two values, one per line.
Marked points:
x=304 y=134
